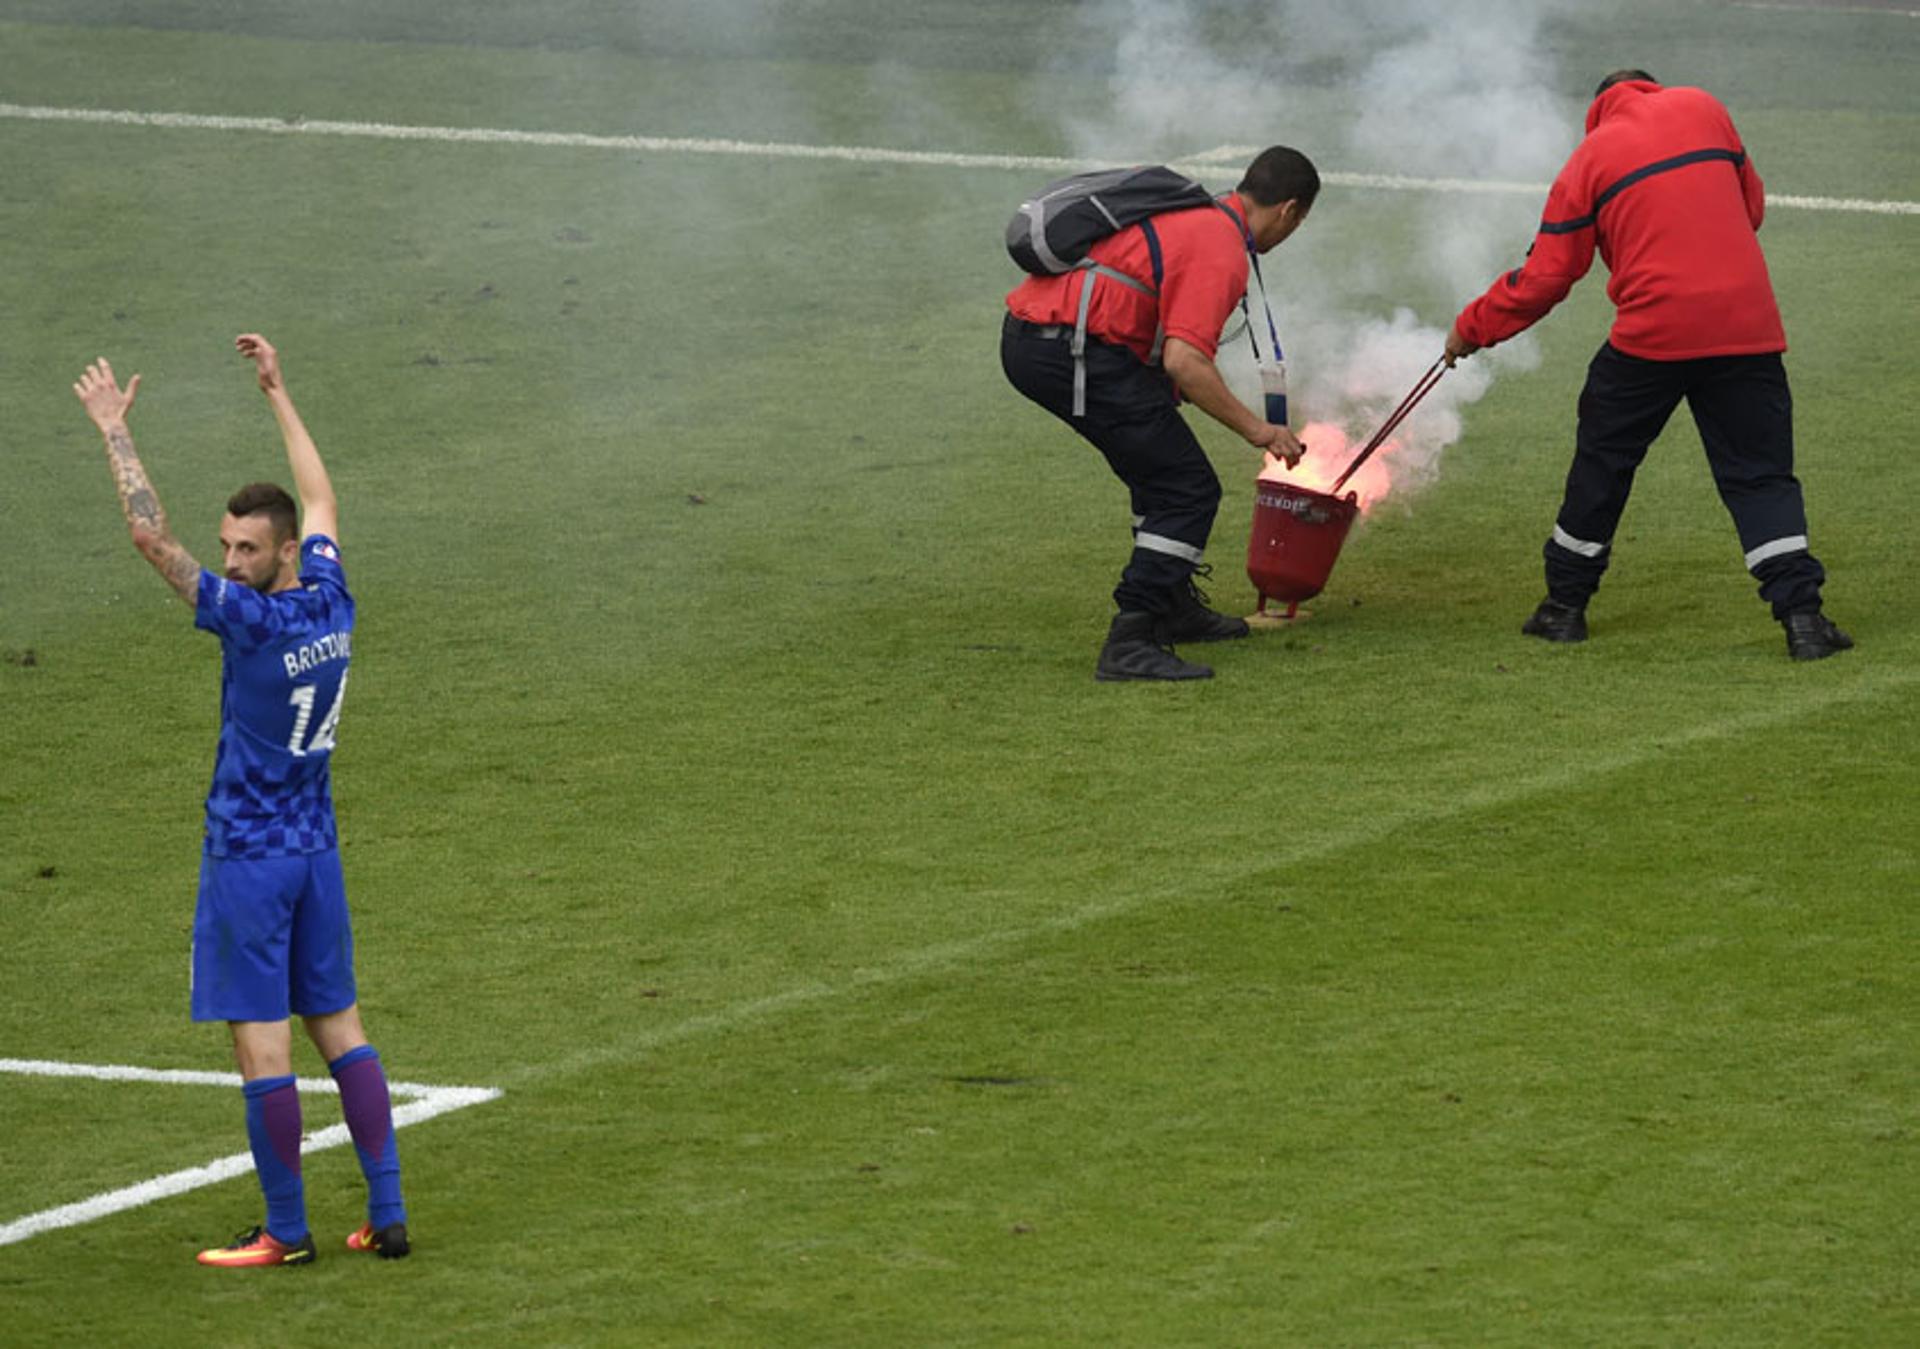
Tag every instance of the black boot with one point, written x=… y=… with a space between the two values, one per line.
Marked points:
x=1134 y=651
x=1557 y=622
x=1191 y=620
x=1811 y=635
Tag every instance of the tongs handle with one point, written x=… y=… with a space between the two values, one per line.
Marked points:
x=1420 y=390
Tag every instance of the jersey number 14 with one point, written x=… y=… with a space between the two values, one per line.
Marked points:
x=302 y=699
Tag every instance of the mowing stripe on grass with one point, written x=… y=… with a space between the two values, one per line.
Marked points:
x=422 y=1103
x=1884 y=682
x=859 y=154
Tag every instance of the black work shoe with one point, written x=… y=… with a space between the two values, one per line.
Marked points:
x=1557 y=622
x=1812 y=636
x=1135 y=651
x=1191 y=620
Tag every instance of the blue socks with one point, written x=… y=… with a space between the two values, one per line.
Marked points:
x=273 y=1132
x=369 y=1111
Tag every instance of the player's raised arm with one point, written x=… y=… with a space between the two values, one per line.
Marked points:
x=108 y=404
x=319 y=511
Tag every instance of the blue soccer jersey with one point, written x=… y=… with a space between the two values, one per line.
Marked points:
x=283 y=677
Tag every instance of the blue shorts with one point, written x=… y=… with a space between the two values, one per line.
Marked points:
x=271 y=938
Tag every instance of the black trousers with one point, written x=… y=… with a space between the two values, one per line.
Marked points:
x=1744 y=411
x=1132 y=420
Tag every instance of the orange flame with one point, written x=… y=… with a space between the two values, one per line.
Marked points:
x=1329 y=451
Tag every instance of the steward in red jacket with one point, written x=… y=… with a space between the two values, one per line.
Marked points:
x=1662 y=188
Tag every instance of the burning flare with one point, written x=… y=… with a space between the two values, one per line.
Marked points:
x=1329 y=451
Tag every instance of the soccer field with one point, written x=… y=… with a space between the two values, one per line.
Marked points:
x=784 y=937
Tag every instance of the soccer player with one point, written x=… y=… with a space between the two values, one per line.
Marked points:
x=270 y=933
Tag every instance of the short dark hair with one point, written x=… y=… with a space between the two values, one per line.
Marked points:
x=1279 y=174
x=270 y=500
x=1621 y=77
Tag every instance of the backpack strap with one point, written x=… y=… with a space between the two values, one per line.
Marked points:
x=1159 y=276
x=1078 y=347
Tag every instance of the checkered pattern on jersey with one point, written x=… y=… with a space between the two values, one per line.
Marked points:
x=253 y=811
x=283 y=676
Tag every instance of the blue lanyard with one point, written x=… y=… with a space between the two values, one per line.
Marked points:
x=1253 y=257
x=1272 y=330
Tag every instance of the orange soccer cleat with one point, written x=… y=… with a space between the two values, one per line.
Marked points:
x=258 y=1247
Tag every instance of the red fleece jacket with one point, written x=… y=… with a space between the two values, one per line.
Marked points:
x=1663 y=188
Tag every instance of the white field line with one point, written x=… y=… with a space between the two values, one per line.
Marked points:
x=1234 y=156
x=1827 y=9
x=579 y=140
x=421 y=1102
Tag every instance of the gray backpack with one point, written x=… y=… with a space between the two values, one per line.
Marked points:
x=1052 y=231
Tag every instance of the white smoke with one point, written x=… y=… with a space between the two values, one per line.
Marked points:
x=1176 y=85
x=1403 y=87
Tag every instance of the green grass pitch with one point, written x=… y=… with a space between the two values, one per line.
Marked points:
x=724 y=778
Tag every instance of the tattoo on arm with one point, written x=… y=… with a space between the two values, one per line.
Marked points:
x=137 y=500
x=144 y=506
x=177 y=567
x=147 y=520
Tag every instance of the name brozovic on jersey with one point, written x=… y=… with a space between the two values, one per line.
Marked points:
x=283 y=677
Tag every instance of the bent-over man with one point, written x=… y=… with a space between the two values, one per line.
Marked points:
x=1145 y=351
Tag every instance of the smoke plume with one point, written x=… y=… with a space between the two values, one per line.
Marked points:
x=1365 y=291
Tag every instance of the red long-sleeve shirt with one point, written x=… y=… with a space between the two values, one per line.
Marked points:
x=1663 y=188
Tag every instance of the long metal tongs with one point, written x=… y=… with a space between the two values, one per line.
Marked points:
x=1420 y=390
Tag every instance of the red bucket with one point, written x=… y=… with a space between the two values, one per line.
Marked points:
x=1297 y=533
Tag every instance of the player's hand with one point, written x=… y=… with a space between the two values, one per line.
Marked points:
x=265 y=359
x=1281 y=441
x=103 y=398
x=1458 y=346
